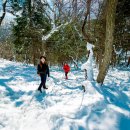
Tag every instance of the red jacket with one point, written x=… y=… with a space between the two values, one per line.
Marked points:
x=66 y=68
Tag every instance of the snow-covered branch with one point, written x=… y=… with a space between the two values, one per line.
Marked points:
x=4 y=1
x=77 y=31
x=117 y=52
x=4 y=11
x=44 y=38
x=74 y=61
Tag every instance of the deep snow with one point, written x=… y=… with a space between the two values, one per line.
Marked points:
x=64 y=106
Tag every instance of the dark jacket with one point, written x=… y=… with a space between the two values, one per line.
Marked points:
x=43 y=69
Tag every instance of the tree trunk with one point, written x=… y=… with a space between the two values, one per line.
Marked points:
x=110 y=25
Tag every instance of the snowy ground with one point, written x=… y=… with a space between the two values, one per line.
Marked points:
x=64 y=106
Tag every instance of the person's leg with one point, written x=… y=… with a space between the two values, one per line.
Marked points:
x=41 y=84
x=44 y=82
x=128 y=62
x=66 y=75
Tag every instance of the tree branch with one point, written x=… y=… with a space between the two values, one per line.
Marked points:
x=4 y=12
x=86 y=36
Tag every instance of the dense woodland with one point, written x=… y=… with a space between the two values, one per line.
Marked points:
x=60 y=29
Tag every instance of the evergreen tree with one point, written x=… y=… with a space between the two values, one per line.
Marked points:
x=66 y=45
x=28 y=31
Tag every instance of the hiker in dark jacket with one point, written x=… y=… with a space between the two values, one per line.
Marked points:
x=43 y=71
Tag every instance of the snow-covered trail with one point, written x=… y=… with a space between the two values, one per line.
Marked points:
x=64 y=106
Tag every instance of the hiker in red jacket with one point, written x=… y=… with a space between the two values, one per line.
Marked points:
x=66 y=68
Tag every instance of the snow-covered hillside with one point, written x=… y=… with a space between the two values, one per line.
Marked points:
x=64 y=106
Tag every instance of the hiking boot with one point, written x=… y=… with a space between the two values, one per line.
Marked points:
x=66 y=78
x=40 y=90
x=45 y=88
